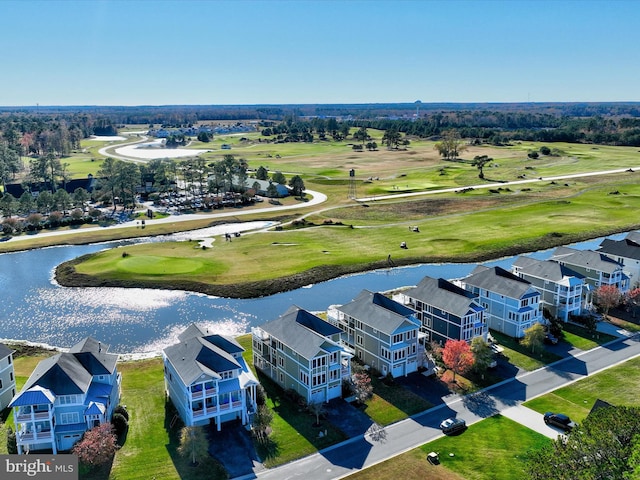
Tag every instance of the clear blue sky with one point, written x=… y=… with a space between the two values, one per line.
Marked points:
x=155 y=52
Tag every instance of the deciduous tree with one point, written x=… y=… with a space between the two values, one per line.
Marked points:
x=481 y=352
x=193 y=443
x=362 y=388
x=457 y=356
x=533 y=337
x=607 y=297
x=601 y=447
x=97 y=446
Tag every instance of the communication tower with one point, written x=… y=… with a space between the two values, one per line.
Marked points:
x=352 y=184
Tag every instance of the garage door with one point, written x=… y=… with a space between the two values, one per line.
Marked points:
x=68 y=441
x=317 y=396
x=398 y=370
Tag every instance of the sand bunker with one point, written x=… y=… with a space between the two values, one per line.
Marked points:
x=151 y=150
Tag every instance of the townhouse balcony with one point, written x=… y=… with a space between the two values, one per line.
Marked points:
x=259 y=333
x=24 y=437
x=33 y=416
x=207 y=392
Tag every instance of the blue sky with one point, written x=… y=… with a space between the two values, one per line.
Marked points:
x=161 y=52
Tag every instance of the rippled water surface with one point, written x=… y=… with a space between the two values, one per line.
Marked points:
x=34 y=308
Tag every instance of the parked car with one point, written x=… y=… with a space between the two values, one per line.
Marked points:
x=550 y=339
x=559 y=420
x=452 y=425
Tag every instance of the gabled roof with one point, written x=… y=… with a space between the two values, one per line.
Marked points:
x=380 y=312
x=34 y=396
x=71 y=373
x=5 y=351
x=445 y=296
x=621 y=248
x=498 y=280
x=63 y=374
x=301 y=331
x=196 y=355
x=547 y=270
x=93 y=356
x=586 y=259
x=634 y=236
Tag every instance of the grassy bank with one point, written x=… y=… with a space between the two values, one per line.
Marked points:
x=294 y=258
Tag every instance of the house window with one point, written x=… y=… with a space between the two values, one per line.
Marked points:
x=319 y=379
x=281 y=377
x=11 y=376
x=334 y=374
x=358 y=324
x=397 y=338
x=10 y=359
x=319 y=362
x=385 y=353
x=226 y=375
x=304 y=378
x=359 y=340
x=69 y=418
x=0 y=384
x=281 y=361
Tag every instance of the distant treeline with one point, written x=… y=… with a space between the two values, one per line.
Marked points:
x=51 y=129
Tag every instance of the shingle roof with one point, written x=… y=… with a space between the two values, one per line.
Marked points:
x=196 y=355
x=301 y=331
x=545 y=269
x=586 y=259
x=498 y=280
x=71 y=373
x=621 y=248
x=5 y=351
x=634 y=236
x=444 y=295
x=379 y=312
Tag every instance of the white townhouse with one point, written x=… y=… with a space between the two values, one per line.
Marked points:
x=7 y=377
x=302 y=352
x=562 y=289
x=446 y=311
x=626 y=252
x=207 y=379
x=66 y=395
x=382 y=332
x=512 y=303
x=598 y=269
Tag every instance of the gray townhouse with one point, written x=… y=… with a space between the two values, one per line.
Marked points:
x=626 y=252
x=382 y=333
x=512 y=303
x=7 y=377
x=598 y=269
x=445 y=310
x=562 y=289
x=207 y=379
x=302 y=352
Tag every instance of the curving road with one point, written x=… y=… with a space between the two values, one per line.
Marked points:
x=505 y=398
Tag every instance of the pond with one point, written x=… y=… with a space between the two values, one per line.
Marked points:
x=146 y=320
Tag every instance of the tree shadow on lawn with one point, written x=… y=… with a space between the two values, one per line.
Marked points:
x=299 y=419
x=206 y=468
x=404 y=399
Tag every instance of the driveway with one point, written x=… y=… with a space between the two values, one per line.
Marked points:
x=233 y=448
x=346 y=417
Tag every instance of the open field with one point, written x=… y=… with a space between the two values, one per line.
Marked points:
x=293 y=258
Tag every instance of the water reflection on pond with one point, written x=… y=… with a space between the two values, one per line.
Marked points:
x=142 y=320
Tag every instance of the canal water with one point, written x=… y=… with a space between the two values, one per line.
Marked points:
x=36 y=309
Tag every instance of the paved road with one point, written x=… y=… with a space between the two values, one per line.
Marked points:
x=505 y=398
x=498 y=184
x=316 y=199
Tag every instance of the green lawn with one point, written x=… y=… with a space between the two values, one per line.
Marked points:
x=618 y=385
x=493 y=449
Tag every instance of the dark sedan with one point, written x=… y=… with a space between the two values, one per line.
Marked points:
x=559 y=420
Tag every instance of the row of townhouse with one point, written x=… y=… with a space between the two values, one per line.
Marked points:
x=208 y=380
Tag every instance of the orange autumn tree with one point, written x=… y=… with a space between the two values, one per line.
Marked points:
x=458 y=357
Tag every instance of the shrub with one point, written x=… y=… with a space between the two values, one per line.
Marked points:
x=122 y=410
x=120 y=424
x=12 y=443
x=97 y=446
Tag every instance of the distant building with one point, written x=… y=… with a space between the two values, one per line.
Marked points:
x=207 y=379
x=626 y=252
